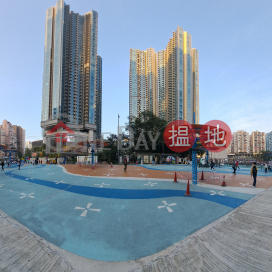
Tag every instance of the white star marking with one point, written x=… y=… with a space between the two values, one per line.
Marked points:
x=57 y=182
x=167 y=206
x=29 y=195
x=103 y=184
x=214 y=193
x=169 y=173
x=108 y=175
x=86 y=210
x=150 y=183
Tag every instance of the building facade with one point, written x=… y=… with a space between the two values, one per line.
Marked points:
x=70 y=70
x=20 y=135
x=28 y=145
x=9 y=135
x=171 y=91
x=241 y=142
x=143 y=88
x=257 y=142
x=268 y=141
x=98 y=110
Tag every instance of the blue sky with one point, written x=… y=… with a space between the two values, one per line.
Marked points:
x=233 y=38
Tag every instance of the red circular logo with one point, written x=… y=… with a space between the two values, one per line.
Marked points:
x=179 y=136
x=215 y=136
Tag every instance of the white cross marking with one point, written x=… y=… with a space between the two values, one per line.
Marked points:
x=88 y=208
x=151 y=184
x=108 y=175
x=142 y=174
x=214 y=193
x=1 y=185
x=102 y=184
x=169 y=173
x=57 y=182
x=167 y=206
x=29 y=195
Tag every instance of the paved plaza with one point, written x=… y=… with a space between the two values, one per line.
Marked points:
x=106 y=214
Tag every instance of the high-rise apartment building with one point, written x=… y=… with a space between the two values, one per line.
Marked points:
x=257 y=142
x=2 y=136
x=241 y=142
x=172 y=91
x=72 y=70
x=143 y=88
x=28 y=144
x=20 y=135
x=268 y=140
x=98 y=99
x=10 y=136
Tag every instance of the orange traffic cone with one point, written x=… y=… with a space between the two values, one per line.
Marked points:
x=224 y=183
x=175 y=179
x=93 y=166
x=202 y=176
x=188 y=190
x=79 y=164
x=111 y=165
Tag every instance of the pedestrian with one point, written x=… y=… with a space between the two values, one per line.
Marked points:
x=19 y=165
x=212 y=165
x=261 y=166
x=265 y=167
x=8 y=163
x=56 y=161
x=125 y=164
x=237 y=166
x=2 y=164
x=234 y=168
x=253 y=173
x=153 y=160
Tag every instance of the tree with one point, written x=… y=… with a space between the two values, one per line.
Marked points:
x=147 y=126
x=28 y=153
x=20 y=154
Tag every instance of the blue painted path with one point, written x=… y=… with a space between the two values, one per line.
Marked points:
x=109 y=219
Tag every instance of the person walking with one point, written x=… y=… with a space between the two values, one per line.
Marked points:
x=237 y=165
x=125 y=164
x=234 y=168
x=265 y=167
x=153 y=160
x=253 y=172
x=19 y=165
x=2 y=164
x=56 y=161
x=212 y=165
